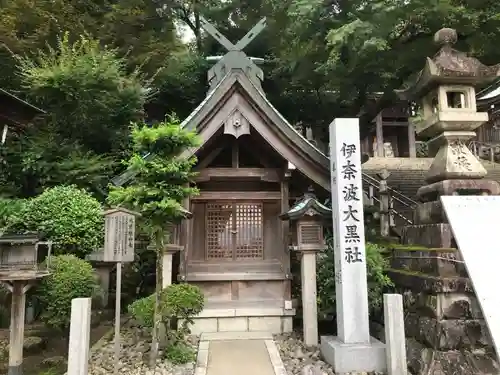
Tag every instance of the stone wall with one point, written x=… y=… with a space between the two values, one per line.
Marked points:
x=445 y=330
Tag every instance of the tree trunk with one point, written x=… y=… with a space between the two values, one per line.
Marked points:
x=157 y=313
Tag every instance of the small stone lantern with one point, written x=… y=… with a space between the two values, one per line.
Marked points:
x=309 y=217
x=22 y=257
x=172 y=246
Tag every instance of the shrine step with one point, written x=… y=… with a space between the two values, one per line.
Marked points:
x=248 y=316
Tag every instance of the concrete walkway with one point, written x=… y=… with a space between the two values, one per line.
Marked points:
x=245 y=353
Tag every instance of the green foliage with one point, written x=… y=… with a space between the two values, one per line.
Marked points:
x=159 y=184
x=39 y=160
x=142 y=310
x=90 y=97
x=69 y=216
x=181 y=302
x=138 y=276
x=180 y=353
x=9 y=208
x=70 y=278
x=377 y=279
x=177 y=302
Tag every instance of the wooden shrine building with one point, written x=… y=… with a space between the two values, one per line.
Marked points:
x=15 y=112
x=253 y=165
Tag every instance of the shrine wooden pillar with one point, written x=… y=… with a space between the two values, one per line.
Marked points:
x=285 y=225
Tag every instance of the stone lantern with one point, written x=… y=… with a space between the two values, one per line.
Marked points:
x=449 y=117
x=173 y=245
x=24 y=258
x=308 y=215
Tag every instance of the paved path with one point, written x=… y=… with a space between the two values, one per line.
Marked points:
x=246 y=353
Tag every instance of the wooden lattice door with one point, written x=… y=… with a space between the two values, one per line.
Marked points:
x=234 y=231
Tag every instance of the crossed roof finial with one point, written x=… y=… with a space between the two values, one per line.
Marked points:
x=235 y=58
x=242 y=43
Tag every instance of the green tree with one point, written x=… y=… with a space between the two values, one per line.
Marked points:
x=345 y=50
x=160 y=184
x=90 y=99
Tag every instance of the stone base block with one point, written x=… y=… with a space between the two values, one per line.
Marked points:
x=426 y=361
x=429 y=235
x=15 y=370
x=272 y=324
x=347 y=358
x=432 y=192
x=434 y=262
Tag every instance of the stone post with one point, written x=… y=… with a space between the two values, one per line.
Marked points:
x=17 y=315
x=168 y=256
x=385 y=207
x=309 y=301
x=431 y=276
x=103 y=271
x=79 y=336
x=352 y=349
x=395 y=334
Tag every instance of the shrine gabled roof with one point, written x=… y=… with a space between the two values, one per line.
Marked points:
x=195 y=118
x=308 y=159
x=17 y=110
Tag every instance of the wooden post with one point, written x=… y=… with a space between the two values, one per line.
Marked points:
x=118 y=296
x=18 y=309
x=379 y=134
x=186 y=242
x=285 y=227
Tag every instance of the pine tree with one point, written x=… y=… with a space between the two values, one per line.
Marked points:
x=161 y=182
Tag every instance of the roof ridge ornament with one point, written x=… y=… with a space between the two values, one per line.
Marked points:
x=235 y=58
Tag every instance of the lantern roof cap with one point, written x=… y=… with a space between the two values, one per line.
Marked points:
x=307 y=205
x=448 y=66
x=20 y=238
x=120 y=210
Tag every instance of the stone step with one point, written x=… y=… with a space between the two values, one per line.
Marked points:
x=244 y=316
x=416 y=280
x=221 y=336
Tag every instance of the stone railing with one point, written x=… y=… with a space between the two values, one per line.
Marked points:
x=396 y=209
x=485 y=151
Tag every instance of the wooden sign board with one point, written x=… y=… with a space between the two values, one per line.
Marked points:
x=474 y=223
x=119 y=235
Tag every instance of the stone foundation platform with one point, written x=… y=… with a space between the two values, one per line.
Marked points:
x=445 y=330
x=258 y=316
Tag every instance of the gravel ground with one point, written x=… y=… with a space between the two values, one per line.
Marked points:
x=134 y=356
x=301 y=360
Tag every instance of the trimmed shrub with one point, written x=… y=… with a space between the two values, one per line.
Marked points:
x=70 y=278
x=69 y=216
x=377 y=280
